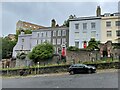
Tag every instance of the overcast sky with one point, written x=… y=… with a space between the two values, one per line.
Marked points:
x=41 y=13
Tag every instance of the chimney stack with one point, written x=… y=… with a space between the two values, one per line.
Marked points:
x=53 y=24
x=98 y=11
x=22 y=32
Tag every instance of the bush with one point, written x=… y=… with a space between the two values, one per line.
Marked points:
x=21 y=56
x=72 y=48
x=41 y=52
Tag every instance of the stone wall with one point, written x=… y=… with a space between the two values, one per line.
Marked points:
x=77 y=56
x=7 y=63
x=82 y=56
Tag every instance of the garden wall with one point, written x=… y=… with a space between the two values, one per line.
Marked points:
x=59 y=68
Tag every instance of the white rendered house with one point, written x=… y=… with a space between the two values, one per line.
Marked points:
x=82 y=29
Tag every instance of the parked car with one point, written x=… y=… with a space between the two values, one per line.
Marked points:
x=81 y=68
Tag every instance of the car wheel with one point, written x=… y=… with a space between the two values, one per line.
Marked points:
x=89 y=71
x=71 y=72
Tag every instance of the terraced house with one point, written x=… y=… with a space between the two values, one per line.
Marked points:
x=82 y=29
x=57 y=35
x=110 y=28
x=101 y=27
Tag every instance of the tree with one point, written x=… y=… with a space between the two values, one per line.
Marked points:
x=66 y=23
x=41 y=52
x=93 y=44
x=7 y=47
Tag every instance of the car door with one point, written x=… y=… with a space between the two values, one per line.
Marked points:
x=80 y=69
x=75 y=69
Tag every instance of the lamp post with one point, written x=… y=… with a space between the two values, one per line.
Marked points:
x=38 y=67
x=7 y=70
x=91 y=56
x=95 y=53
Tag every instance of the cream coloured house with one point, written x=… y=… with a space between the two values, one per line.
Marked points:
x=110 y=28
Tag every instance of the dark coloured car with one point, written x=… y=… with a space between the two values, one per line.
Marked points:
x=81 y=68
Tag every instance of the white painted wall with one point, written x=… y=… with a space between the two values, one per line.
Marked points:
x=26 y=44
x=30 y=41
x=82 y=37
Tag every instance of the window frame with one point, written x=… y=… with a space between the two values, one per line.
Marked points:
x=118 y=33
x=117 y=23
x=108 y=24
x=93 y=24
x=109 y=34
x=54 y=33
x=84 y=26
x=59 y=32
x=77 y=26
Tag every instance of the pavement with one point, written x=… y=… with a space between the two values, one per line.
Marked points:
x=57 y=74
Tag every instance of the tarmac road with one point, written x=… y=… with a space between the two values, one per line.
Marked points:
x=96 y=80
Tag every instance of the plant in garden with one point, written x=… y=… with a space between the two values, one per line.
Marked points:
x=21 y=56
x=7 y=47
x=93 y=44
x=41 y=52
x=73 y=48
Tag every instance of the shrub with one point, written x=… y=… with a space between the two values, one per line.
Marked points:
x=41 y=52
x=72 y=48
x=21 y=56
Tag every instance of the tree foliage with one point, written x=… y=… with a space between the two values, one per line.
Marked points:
x=7 y=47
x=93 y=44
x=66 y=23
x=41 y=52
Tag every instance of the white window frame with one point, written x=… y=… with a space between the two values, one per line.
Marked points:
x=54 y=33
x=63 y=40
x=63 y=32
x=59 y=32
x=84 y=26
x=58 y=41
x=93 y=25
x=54 y=41
x=93 y=35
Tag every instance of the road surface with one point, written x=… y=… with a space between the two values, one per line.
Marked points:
x=97 y=80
